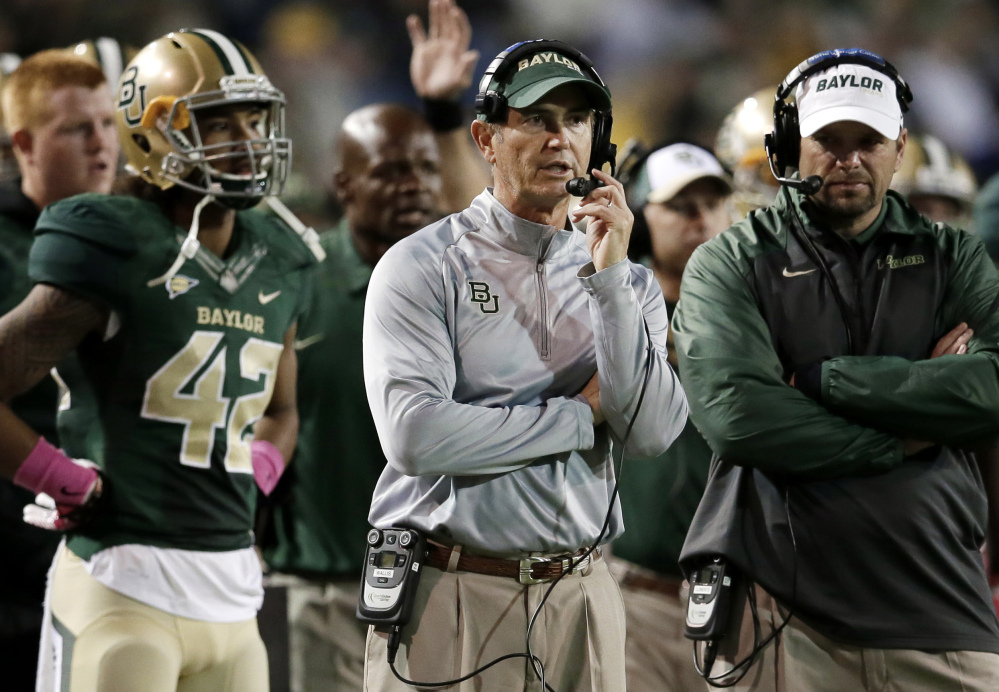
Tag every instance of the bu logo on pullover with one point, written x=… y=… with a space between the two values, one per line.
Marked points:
x=488 y=303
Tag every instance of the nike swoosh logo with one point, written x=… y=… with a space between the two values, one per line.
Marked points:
x=301 y=344
x=69 y=493
x=268 y=297
x=790 y=274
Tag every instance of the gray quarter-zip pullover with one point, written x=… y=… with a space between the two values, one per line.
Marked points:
x=479 y=333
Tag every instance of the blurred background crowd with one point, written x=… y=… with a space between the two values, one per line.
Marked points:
x=675 y=67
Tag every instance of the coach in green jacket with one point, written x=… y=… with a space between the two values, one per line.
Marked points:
x=838 y=351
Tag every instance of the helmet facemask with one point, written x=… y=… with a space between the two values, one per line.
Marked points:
x=207 y=168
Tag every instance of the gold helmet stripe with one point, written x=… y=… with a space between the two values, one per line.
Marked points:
x=231 y=57
x=110 y=59
x=937 y=156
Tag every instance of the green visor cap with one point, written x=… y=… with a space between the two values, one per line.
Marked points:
x=536 y=75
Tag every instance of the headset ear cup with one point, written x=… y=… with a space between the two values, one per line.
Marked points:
x=792 y=151
x=787 y=141
x=601 y=149
x=492 y=105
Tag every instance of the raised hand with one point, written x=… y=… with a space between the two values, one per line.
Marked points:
x=442 y=64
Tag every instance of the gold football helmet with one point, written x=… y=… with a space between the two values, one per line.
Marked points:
x=161 y=93
x=107 y=54
x=936 y=180
x=8 y=164
x=739 y=146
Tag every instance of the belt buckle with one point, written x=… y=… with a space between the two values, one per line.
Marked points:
x=578 y=566
x=526 y=564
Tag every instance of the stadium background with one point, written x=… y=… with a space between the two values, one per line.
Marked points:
x=675 y=67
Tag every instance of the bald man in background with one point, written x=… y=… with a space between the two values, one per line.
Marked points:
x=388 y=182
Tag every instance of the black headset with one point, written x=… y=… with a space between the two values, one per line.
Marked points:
x=783 y=146
x=633 y=159
x=493 y=104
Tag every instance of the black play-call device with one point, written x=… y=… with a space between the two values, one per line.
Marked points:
x=393 y=562
x=709 y=609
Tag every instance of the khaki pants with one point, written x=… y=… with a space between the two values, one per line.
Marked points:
x=802 y=660
x=462 y=621
x=102 y=641
x=326 y=639
x=659 y=658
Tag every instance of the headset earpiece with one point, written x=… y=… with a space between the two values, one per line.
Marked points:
x=786 y=138
x=492 y=105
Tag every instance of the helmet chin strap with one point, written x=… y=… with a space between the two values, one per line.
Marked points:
x=306 y=233
x=189 y=248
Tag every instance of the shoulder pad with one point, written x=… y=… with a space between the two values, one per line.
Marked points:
x=111 y=222
x=281 y=240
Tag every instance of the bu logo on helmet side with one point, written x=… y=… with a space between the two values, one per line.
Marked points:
x=126 y=96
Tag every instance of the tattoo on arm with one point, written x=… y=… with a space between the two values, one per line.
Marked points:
x=39 y=332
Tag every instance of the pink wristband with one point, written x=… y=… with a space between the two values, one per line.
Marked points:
x=268 y=465
x=47 y=470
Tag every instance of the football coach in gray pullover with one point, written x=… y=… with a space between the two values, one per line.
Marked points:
x=504 y=358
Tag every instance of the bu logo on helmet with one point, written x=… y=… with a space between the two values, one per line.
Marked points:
x=126 y=97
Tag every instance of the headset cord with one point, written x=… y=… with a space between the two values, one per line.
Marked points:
x=746 y=664
x=619 y=468
x=393 y=646
x=537 y=665
x=798 y=230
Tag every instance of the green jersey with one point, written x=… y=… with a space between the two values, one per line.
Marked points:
x=338 y=459
x=169 y=395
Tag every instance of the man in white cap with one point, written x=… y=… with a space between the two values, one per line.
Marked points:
x=681 y=197
x=840 y=353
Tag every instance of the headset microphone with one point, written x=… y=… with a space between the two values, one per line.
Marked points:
x=581 y=187
x=809 y=186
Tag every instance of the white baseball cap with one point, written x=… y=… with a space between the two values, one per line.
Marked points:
x=670 y=169
x=849 y=92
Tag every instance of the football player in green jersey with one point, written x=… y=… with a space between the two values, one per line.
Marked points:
x=179 y=310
